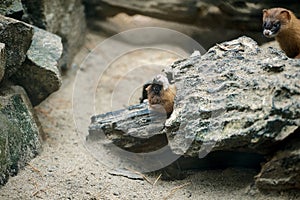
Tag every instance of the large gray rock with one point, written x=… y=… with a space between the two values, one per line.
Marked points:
x=17 y=37
x=2 y=60
x=64 y=18
x=39 y=74
x=20 y=131
x=235 y=98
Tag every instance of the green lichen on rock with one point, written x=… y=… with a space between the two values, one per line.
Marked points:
x=3 y=148
x=9 y=154
x=20 y=132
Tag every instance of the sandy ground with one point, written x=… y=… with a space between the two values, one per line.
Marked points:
x=67 y=170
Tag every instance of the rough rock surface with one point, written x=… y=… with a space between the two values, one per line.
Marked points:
x=2 y=60
x=11 y=8
x=39 y=74
x=235 y=98
x=64 y=18
x=282 y=172
x=136 y=137
x=20 y=131
x=17 y=37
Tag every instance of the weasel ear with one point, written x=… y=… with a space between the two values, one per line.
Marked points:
x=286 y=14
x=148 y=88
x=265 y=11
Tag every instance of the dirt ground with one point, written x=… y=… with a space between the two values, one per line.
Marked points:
x=66 y=169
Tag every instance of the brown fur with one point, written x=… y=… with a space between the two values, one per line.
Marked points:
x=165 y=98
x=288 y=36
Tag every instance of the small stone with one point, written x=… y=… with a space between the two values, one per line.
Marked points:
x=116 y=193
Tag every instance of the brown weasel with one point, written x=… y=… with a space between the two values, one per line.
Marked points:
x=285 y=27
x=160 y=92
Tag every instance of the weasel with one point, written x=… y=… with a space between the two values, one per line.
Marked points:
x=285 y=27
x=161 y=92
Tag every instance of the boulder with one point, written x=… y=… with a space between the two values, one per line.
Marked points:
x=63 y=18
x=236 y=97
x=12 y=8
x=20 y=131
x=282 y=172
x=2 y=60
x=17 y=37
x=39 y=74
x=237 y=100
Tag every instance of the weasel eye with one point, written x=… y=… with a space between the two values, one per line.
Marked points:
x=156 y=88
x=276 y=25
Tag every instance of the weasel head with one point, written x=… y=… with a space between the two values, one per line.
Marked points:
x=159 y=84
x=275 y=20
x=162 y=81
x=155 y=89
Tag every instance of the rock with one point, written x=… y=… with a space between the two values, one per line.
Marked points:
x=166 y=9
x=236 y=101
x=12 y=8
x=63 y=18
x=140 y=136
x=39 y=74
x=208 y=22
x=236 y=97
x=17 y=37
x=6 y=127
x=282 y=172
x=242 y=15
x=20 y=131
x=2 y=60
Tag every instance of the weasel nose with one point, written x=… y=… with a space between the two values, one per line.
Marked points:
x=267 y=33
